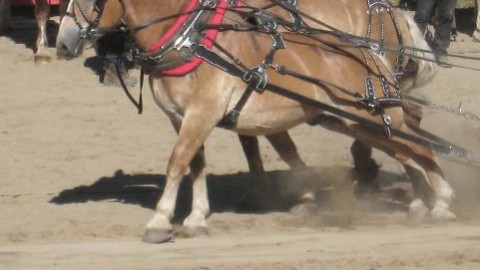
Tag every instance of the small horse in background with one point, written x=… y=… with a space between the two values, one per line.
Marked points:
x=183 y=99
x=42 y=12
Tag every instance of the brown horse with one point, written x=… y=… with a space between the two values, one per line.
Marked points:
x=42 y=11
x=184 y=98
x=392 y=32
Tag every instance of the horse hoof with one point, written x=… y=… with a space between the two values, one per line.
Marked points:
x=304 y=209
x=417 y=217
x=42 y=59
x=442 y=216
x=188 y=232
x=157 y=236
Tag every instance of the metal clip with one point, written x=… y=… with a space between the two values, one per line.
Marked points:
x=387 y=120
x=257 y=78
x=210 y=4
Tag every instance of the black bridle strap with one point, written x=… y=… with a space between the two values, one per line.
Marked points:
x=138 y=104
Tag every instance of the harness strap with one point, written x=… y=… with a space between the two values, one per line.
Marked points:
x=138 y=104
x=233 y=70
x=231 y=118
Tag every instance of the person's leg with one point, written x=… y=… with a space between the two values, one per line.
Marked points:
x=446 y=13
x=424 y=13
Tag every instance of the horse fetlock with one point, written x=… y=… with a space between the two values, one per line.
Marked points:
x=160 y=222
x=196 y=219
x=417 y=211
x=42 y=57
x=445 y=192
x=194 y=225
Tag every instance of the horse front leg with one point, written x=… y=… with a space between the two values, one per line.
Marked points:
x=196 y=224
x=193 y=131
x=42 y=11
x=432 y=191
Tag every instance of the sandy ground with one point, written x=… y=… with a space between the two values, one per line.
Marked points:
x=80 y=173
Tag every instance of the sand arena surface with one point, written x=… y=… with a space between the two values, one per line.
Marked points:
x=80 y=173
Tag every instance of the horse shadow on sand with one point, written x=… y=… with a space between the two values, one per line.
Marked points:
x=227 y=191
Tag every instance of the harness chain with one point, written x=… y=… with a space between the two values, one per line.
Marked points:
x=379 y=7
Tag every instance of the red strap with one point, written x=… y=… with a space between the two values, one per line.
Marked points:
x=211 y=35
x=174 y=28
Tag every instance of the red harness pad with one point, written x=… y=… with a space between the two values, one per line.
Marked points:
x=211 y=35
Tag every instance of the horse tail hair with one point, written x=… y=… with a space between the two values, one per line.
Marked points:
x=427 y=67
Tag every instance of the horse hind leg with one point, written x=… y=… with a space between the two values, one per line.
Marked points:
x=433 y=190
x=365 y=166
x=426 y=67
x=42 y=11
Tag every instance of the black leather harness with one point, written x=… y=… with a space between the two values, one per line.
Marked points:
x=256 y=77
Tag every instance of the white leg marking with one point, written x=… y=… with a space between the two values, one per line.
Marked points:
x=417 y=210
x=444 y=195
x=165 y=207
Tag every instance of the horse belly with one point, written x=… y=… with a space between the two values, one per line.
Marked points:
x=264 y=118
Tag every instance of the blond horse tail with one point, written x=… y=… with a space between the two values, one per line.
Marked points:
x=426 y=68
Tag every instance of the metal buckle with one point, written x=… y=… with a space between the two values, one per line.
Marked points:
x=257 y=78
